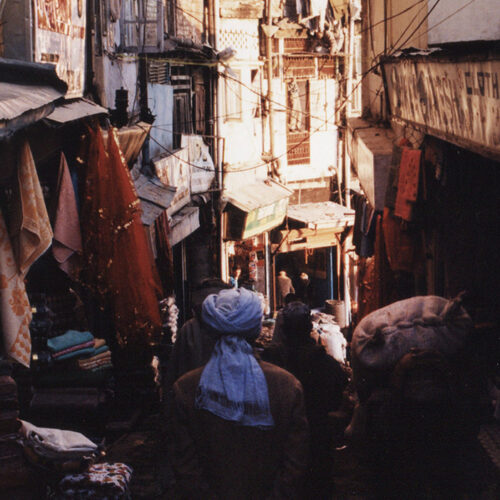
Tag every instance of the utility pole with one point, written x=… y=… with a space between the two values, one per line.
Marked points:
x=269 y=64
x=269 y=67
x=219 y=145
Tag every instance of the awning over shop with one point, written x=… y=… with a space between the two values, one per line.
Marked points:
x=28 y=92
x=155 y=198
x=255 y=208
x=22 y=105
x=77 y=109
x=322 y=215
x=131 y=140
x=322 y=224
x=183 y=223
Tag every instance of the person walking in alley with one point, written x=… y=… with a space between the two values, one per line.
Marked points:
x=238 y=428
x=284 y=287
x=235 y=277
x=304 y=288
x=324 y=381
x=193 y=345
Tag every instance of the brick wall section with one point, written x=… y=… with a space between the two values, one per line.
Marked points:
x=189 y=19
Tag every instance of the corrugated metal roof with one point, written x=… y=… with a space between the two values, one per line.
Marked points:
x=326 y=214
x=257 y=194
x=17 y=99
x=75 y=110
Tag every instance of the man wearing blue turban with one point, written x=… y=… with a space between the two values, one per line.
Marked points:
x=238 y=428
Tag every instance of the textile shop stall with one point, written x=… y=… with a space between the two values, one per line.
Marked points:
x=79 y=296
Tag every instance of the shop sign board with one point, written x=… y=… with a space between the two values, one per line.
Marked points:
x=59 y=38
x=265 y=218
x=456 y=101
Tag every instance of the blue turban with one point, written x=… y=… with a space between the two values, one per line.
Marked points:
x=232 y=385
x=233 y=312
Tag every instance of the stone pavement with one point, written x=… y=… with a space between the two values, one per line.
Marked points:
x=474 y=475
x=143 y=449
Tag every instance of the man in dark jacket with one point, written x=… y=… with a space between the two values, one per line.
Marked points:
x=324 y=381
x=238 y=426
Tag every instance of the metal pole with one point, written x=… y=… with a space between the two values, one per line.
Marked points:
x=269 y=55
x=219 y=144
x=330 y=272
x=267 y=265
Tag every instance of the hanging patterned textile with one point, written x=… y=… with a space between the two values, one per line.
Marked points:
x=119 y=267
x=15 y=310
x=67 y=244
x=29 y=223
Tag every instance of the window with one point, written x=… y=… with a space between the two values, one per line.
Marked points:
x=141 y=26
x=298 y=123
x=183 y=111
x=233 y=96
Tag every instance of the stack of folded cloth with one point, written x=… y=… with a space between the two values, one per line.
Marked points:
x=58 y=450
x=78 y=380
x=104 y=480
x=90 y=353
x=100 y=360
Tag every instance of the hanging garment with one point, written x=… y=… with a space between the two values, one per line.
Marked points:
x=119 y=267
x=29 y=226
x=403 y=244
x=67 y=244
x=409 y=171
x=15 y=310
x=318 y=8
x=164 y=259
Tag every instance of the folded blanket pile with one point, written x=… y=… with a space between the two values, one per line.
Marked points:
x=103 y=480
x=90 y=353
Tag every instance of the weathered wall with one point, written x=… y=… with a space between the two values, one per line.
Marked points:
x=380 y=38
x=189 y=19
x=160 y=102
x=243 y=132
x=479 y=20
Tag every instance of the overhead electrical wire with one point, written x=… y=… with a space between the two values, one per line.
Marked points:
x=337 y=108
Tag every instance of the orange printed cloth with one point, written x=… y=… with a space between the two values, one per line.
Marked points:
x=409 y=170
x=29 y=226
x=15 y=310
x=67 y=244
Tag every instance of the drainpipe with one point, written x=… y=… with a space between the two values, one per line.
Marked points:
x=347 y=163
x=218 y=133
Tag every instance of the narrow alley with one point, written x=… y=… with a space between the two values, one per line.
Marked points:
x=248 y=249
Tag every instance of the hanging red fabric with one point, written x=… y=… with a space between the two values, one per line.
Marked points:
x=119 y=267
